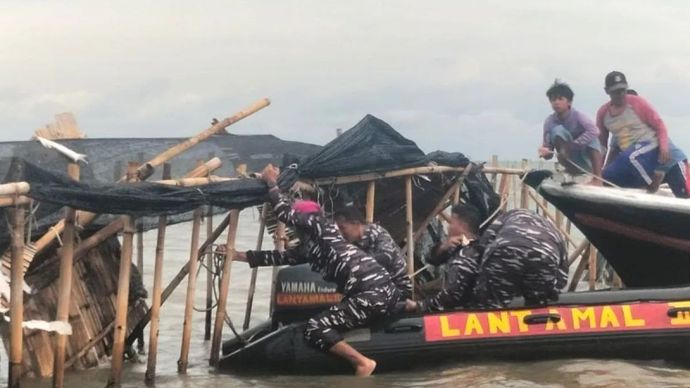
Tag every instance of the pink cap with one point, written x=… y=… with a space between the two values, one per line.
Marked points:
x=306 y=207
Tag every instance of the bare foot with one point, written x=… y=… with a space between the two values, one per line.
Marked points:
x=657 y=180
x=366 y=368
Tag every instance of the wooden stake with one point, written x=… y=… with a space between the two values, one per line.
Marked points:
x=122 y=292
x=17 y=297
x=524 y=200
x=65 y=285
x=191 y=288
x=577 y=275
x=224 y=287
x=209 y=272
x=409 y=220
x=279 y=242
x=150 y=375
x=494 y=176
x=592 y=268
x=504 y=190
x=140 y=234
x=371 y=195
x=252 y=282
x=209 y=277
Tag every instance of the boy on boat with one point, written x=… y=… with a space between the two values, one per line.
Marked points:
x=367 y=287
x=519 y=254
x=376 y=241
x=573 y=135
x=641 y=153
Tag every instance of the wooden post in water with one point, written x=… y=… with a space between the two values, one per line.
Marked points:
x=65 y=285
x=150 y=375
x=409 y=221
x=191 y=288
x=209 y=271
x=577 y=275
x=494 y=176
x=117 y=357
x=140 y=235
x=17 y=297
x=524 y=199
x=592 y=268
x=252 y=282
x=279 y=238
x=224 y=287
x=371 y=196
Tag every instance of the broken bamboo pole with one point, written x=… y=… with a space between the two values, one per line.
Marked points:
x=65 y=285
x=371 y=196
x=577 y=252
x=118 y=350
x=168 y=290
x=224 y=287
x=440 y=206
x=548 y=215
x=255 y=270
x=150 y=374
x=146 y=169
x=409 y=221
x=16 y=297
x=193 y=265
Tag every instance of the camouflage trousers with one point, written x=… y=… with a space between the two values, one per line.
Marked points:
x=325 y=329
x=509 y=271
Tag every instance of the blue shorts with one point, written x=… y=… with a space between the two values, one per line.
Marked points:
x=634 y=168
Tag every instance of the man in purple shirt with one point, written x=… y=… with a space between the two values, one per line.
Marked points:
x=574 y=137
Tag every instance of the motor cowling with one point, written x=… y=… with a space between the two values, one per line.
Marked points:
x=300 y=293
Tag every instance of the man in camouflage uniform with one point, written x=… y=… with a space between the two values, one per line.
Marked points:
x=369 y=292
x=376 y=241
x=519 y=254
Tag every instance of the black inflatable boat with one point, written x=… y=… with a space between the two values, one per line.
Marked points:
x=631 y=324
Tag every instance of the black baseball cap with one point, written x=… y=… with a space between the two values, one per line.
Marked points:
x=615 y=80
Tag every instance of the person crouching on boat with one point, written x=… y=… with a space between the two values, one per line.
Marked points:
x=641 y=153
x=461 y=254
x=376 y=241
x=367 y=287
x=572 y=134
x=519 y=254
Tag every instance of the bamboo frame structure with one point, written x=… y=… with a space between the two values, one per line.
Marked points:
x=255 y=270
x=191 y=289
x=17 y=297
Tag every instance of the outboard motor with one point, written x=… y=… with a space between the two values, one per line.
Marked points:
x=299 y=294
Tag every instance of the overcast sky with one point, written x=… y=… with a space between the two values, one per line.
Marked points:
x=465 y=76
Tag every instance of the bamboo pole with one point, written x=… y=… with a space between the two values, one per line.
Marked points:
x=440 y=206
x=14 y=201
x=592 y=268
x=209 y=269
x=252 y=282
x=209 y=277
x=140 y=235
x=409 y=220
x=65 y=285
x=191 y=288
x=14 y=188
x=504 y=190
x=409 y=171
x=205 y=134
x=199 y=181
x=122 y=292
x=524 y=200
x=494 y=176
x=150 y=375
x=579 y=270
x=577 y=252
x=16 y=297
x=371 y=196
x=224 y=287
x=617 y=281
x=179 y=277
x=279 y=242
